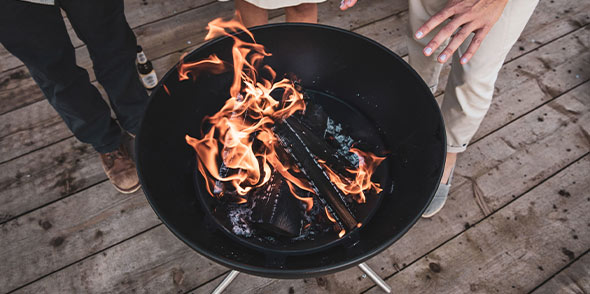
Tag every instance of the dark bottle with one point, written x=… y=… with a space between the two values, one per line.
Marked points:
x=146 y=70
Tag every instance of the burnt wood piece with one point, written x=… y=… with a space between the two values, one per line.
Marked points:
x=319 y=146
x=275 y=210
x=292 y=141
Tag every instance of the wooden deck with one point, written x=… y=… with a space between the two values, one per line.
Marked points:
x=517 y=221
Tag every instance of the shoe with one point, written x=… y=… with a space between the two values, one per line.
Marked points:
x=120 y=169
x=440 y=198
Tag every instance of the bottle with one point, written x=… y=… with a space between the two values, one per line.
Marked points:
x=146 y=70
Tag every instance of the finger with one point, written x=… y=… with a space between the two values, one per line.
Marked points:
x=474 y=45
x=433 y=22
x=455 y=42
x=345 y=4
x=442 y=35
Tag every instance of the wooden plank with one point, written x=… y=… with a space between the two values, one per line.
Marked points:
x=29 y=128
x=153 y=262
x=64 y=232
x=573 y=279
x=32 y=127
x=137 y=13
x=47 y=175
x=538 y=77
x=485 y=164
x=516 y=248
x=551 y=20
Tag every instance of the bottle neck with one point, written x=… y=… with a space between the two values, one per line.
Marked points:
x=141 y=58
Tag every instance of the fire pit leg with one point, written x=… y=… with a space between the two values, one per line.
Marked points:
x=226 y=281
x=377 y=279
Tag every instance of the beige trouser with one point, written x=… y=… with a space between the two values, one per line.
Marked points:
x=470 y=87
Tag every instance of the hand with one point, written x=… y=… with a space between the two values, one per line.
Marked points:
x=345 y=4
x=477 y=16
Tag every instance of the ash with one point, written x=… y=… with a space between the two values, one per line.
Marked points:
x=239 y=218
x=344 y=142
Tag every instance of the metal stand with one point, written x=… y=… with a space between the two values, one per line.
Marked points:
x=377 y=279
x=363 y=266
x=226 y=281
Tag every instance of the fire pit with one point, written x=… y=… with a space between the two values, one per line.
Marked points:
x=349 y=82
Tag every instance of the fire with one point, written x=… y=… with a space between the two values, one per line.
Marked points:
x=238 y=147
x=332 y=219
x=241 y=132
x=361 y=182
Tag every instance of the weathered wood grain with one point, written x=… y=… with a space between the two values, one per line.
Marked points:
x=516 y=248
x=537 y=77
x=32 y=127
x=487 y=163
x=573 y=279
x=153 y=262
x=28 y=128
x=551 y=20
x=64 y=232
x=47 y=175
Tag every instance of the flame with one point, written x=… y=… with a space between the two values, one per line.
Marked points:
x=361 y=182
x=166 y=89
x=241 y=132
x=307 y=200
x=330 y=217
x=239 y=139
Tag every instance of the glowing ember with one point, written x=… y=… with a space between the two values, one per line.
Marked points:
x=239 y=137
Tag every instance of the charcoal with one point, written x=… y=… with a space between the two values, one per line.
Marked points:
x=275 y=210
x=319 y=147
x=292 y=140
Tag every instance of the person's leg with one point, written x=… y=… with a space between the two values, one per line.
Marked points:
x=470 y=86
x=252 y=15
x=113 y=48
x=426 y=66
x=306 y=12
x=36 y=34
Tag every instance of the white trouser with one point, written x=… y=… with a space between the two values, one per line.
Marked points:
x=470 y=87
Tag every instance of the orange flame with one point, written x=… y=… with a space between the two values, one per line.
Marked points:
x=368 y=163
x=239 y=137
x=247 y=117
x=330 y=217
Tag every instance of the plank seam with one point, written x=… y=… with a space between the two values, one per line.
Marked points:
x=84 y=258
x=560 y=270
x=483 y=219
x=51 y=202
x=207 y=282
x=531 y=110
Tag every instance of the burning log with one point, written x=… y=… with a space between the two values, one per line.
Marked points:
x=293 y=141
x=275 y=210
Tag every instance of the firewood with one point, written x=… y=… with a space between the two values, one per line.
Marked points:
x=292 y=140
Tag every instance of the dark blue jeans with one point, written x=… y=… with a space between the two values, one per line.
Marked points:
x=36 y=34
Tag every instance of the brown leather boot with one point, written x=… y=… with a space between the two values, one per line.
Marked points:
x=120 y=169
